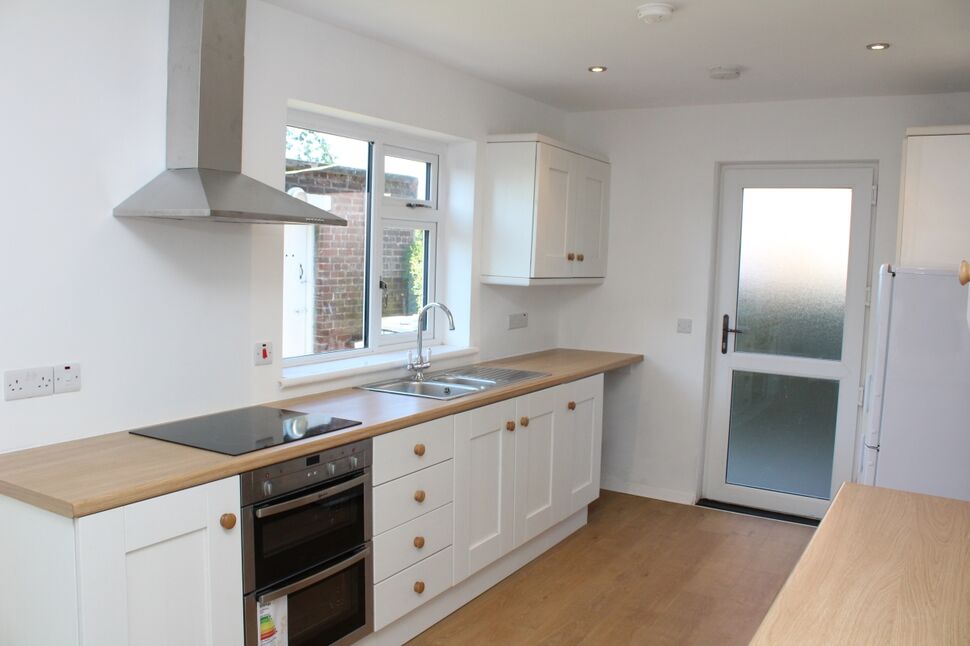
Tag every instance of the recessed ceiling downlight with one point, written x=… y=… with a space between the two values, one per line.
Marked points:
x=877 y=47
x=725 y=72
x=596 y=69
x=654 y=12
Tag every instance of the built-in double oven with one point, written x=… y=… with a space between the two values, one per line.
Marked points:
x=307 y=556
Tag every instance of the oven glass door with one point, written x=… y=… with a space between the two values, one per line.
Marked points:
x=326 y=607
x=300 y=532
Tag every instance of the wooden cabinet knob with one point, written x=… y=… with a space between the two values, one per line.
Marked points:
x=510 y=425
x=964 y=272
x=419 y=495
x=228 y=521
x=523 y=421
x=419 y=450
x=419 y=541
x=419 y=586
x=580 y=257
x=570 y=256
x=571 y=405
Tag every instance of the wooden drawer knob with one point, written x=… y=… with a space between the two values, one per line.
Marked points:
x=510 y=425
x=419 y=495
x=228 y=521
x=571 y=405
x=419 y=450
x=964 y=272
x=419 y=541
x=419 y=586
x=580 y=257
x=523 y=421
x=570 y=256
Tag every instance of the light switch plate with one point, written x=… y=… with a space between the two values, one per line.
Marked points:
x=684 y=326
x=263 y=354
x=67 y=378
x=519 y=320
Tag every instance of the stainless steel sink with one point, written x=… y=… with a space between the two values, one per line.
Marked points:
x=454 y=383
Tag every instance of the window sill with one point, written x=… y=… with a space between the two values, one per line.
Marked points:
x=341 y=368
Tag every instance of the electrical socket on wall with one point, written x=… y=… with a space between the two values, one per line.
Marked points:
x=519 y=320
x=28 y=382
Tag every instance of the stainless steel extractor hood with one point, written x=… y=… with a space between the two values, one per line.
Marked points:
x=204 y=129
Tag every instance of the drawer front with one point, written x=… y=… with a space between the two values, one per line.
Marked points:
x=398 y=548
x=411 y=449
x=398 y=595
x=398 y=501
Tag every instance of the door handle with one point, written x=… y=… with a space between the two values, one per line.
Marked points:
x=725 y=330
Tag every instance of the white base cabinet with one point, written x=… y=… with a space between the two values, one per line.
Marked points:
x=161 y=572
x=522 y=466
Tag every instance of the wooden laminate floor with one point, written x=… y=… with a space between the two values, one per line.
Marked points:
x=642 y=571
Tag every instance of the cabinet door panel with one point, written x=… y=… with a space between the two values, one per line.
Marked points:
x=540 y=460
x=585 y=442
x=484 y=480
x=554 y=194
x=163 y=571
x=587 y=222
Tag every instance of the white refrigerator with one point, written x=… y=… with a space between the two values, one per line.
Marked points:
x=917 y=436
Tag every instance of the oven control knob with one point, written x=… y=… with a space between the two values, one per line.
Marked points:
x=331 y=468
x=267 y=488
x=354 y=461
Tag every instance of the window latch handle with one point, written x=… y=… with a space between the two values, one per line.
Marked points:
x=417 y=205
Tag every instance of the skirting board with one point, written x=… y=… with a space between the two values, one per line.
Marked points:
x=646 y=491
x=411 y=625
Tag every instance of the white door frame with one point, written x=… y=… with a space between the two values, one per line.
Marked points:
x=861 y=176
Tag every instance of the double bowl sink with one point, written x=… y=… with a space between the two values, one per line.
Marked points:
x=455 y=383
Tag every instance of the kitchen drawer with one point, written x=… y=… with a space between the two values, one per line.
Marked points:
x=398 y=595
x=396 y=502
x=398 y=548
x=399 y=453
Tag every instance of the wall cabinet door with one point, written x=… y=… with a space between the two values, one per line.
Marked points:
x=163 y=571
x=541 y=460
x=934 y=228
x=584 y=406
x=554 y=204
x=587 y=223
x=484 y=481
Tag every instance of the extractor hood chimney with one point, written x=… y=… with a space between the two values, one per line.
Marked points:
x=204 y=133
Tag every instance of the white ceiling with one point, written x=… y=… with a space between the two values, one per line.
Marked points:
x=790 y=49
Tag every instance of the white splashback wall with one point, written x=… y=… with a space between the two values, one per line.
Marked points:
x=162 y=315
x=661 y=249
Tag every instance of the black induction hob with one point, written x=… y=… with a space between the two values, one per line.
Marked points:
x=244 y=430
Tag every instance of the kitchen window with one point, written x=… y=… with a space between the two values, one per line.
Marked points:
x=357 y=289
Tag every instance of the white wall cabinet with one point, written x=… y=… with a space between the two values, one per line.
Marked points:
x=159 y=572
x=934 y=225
x=547 y=213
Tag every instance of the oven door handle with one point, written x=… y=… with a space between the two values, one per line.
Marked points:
x=309 y=499
x=316 y=578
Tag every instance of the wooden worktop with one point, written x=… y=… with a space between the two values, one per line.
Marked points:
x=885 y=567
x=87 y=476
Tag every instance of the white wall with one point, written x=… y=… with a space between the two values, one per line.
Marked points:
x=162 y=315
x=661 y=243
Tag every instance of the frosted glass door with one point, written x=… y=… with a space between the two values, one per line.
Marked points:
x=793 y=254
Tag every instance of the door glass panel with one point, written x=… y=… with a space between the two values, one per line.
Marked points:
x=793 y=269
x=782 y=433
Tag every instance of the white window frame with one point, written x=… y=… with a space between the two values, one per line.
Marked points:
x=385 y=211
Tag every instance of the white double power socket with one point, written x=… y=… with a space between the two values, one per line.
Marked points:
x=40 y=382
